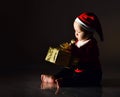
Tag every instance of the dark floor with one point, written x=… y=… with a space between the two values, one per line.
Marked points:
x=26 y=83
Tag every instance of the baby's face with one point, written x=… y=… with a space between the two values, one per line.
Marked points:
x=79 y=34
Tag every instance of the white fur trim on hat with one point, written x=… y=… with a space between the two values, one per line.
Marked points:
x=80 y=22
x=84 y=25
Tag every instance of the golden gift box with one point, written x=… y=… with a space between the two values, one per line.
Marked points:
x=58 y=56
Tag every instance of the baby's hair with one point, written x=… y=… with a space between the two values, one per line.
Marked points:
x=88 y=34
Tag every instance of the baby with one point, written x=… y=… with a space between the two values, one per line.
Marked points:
x=87 y=68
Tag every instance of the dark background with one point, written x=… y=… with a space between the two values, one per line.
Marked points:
x=29 y=27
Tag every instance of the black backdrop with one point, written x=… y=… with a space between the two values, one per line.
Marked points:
x=29 y=27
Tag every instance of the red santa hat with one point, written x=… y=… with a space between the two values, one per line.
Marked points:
x=90 y=22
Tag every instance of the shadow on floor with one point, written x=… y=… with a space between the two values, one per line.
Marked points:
x=111 y=83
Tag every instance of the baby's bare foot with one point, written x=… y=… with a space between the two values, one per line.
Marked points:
x=47 y=78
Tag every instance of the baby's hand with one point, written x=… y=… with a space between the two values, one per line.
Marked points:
x=65 y=45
